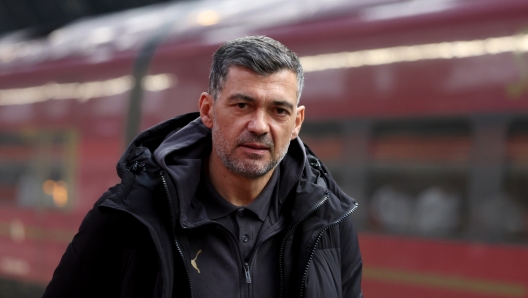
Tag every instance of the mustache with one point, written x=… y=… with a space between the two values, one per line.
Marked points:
x=249 y=137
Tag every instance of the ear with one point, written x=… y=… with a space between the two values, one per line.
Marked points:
x=299 y=118
x=205 y=105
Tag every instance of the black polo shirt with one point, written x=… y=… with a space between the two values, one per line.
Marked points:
x=244 y=222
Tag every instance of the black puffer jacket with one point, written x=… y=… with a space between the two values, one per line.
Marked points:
x=127 y=245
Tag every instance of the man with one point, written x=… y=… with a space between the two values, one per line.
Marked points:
x=224 y=203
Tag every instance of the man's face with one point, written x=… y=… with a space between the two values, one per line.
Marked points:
x=253 y=120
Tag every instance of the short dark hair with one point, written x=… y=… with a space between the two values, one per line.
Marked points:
x=261 y=54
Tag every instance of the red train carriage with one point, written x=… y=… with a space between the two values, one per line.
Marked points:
x=419 y=109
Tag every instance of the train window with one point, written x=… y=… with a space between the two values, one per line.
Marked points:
x=513 y=206
x=36 y=169
x=429 y=142
x=418 y=176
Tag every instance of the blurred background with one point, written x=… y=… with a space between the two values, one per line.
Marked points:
x=418 y=107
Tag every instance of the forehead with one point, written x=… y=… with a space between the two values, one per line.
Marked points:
x=241 y=78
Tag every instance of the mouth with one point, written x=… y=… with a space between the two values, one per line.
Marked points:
x=255 y=148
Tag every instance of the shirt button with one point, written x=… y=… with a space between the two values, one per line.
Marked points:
x=245 y=239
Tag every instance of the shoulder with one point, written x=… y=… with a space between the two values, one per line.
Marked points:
x=98 y=228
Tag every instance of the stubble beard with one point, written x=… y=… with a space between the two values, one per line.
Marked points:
x=249 y=167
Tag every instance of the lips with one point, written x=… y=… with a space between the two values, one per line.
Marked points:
x=254 y=149
x=255 y=146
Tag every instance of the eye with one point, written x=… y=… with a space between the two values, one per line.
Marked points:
x=281 y=111
x=241 y=105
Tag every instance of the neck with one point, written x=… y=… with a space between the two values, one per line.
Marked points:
x=236 y=189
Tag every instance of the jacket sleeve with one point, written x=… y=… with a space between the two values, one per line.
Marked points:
x=351 y=263
x=89 y=265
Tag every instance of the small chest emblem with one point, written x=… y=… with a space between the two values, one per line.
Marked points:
x=193 y=261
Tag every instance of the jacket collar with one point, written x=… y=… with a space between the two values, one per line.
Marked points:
x=178 y=145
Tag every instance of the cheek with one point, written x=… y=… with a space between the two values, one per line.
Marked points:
x=285 y=135
x=232 y=130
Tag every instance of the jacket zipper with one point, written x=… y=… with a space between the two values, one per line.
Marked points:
x=303 y=280
x=281 y=269
x=173 y=227
x=248 y=275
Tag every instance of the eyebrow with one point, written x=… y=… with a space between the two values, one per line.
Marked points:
x=280 y=103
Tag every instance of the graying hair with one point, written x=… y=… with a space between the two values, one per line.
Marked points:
x=260 y=54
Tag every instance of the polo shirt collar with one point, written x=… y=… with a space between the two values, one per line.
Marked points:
x=218 y=207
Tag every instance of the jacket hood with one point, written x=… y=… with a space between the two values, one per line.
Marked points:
x=150 y=139
x=178 y=145
x=181 y=154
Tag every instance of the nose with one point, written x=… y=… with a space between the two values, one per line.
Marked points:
x=258 y=124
